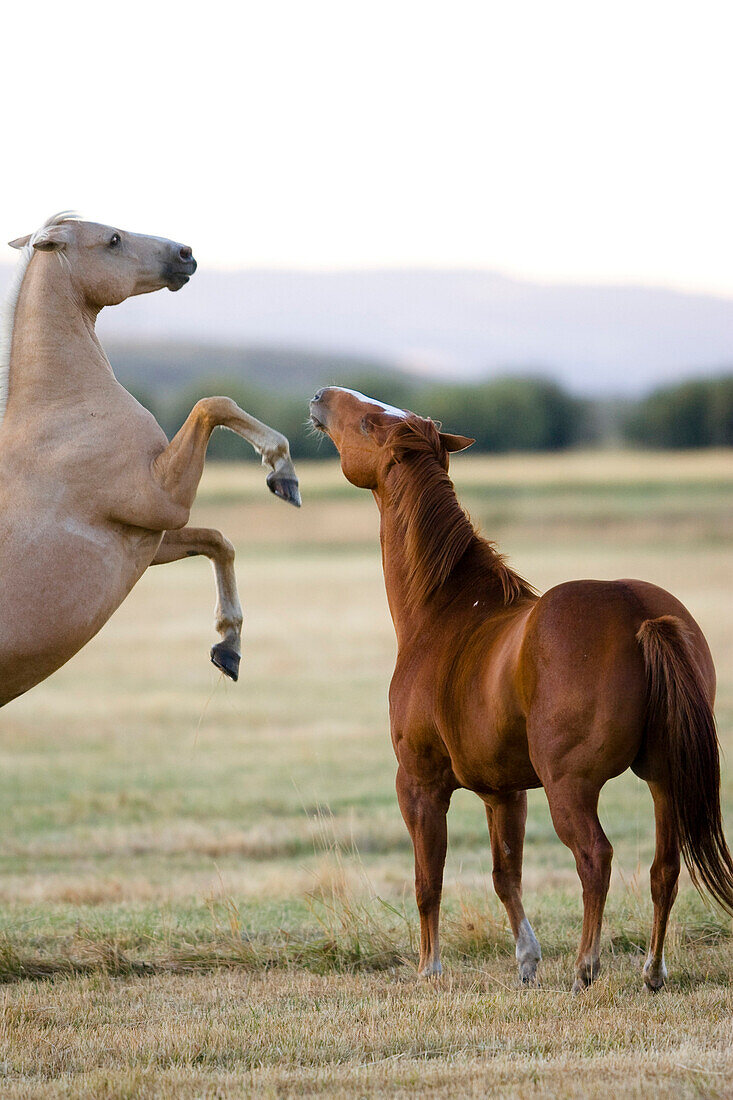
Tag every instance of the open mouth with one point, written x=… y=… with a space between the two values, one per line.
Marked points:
x=176 y=277
x=175 y=282
x=317 y=424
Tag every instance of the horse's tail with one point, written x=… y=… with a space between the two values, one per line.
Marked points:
x=680 y=714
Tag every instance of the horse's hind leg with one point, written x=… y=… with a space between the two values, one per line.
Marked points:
x=574 y=809
x=188 y=542
x=424 y=808
x=507 y=815
x=664 y=875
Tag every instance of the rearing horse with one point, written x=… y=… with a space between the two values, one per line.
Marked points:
x=91 y=491
x=498 y=690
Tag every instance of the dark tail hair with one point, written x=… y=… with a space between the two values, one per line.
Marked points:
x=680 y=713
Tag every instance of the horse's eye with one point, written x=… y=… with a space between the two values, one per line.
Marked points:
x=114 y=240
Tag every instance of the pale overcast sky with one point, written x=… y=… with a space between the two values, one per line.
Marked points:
x=557 y=140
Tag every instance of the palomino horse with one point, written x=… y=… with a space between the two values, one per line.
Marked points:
x=498 y=690
x=91 y=491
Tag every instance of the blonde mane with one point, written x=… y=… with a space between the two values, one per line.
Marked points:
x=11 y=302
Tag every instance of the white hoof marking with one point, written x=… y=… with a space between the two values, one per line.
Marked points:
x=431 y=970
x=528 y=952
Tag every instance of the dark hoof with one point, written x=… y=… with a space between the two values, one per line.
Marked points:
x=284 y=487
x=226 y=660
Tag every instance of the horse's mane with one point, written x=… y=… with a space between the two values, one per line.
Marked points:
x=438 y=532
x=11 y=303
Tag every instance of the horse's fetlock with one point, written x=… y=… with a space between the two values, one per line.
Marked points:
x=228 y=624
x=229 y=620
x=588 y=970
x=278 y=452
x=528 y=952
x=430 y=969
x=655 y=974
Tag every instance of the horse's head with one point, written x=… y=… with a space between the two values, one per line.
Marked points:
x=370 y=436
x=108 y=265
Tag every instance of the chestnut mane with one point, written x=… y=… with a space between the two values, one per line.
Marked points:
x=438 y=532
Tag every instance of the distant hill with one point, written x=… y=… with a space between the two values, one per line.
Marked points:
x=166 y=367
x=596 y=340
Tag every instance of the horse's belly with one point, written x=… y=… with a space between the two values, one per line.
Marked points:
x=494 y=758
x=57 y=589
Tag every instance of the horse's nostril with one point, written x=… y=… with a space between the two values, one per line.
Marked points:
x=185 y=252
x=318 y=396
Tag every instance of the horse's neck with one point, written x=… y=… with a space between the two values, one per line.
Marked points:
x=55 y=355
x=455 y=556
x=392 y=536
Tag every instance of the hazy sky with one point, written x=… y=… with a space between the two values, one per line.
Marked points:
x=560 y=140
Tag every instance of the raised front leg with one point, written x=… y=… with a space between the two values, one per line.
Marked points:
x=188 y=543
x=424 y=809
x=178 y=469
x=507 y=815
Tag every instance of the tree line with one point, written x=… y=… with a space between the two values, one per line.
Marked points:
x=504 y=414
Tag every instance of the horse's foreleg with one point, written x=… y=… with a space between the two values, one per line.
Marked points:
x=177 y=470
x=188 y=542
x=664 y=875
x=574 y=809
x=424 y=810
x=507 y=815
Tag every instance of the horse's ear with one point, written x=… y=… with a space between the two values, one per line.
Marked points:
x=52 y=238
x=455 y=442
x=20 y=242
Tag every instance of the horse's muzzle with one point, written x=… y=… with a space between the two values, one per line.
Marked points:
x=314 y=417
x=177 y=274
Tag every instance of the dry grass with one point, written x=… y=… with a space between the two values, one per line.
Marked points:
x=206 y=888
x=234 y=1034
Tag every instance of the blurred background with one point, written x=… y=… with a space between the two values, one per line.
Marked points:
x=514 y=218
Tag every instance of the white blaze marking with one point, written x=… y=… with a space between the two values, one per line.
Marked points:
x=389 y=409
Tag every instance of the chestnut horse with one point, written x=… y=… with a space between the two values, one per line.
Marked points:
x=91 y=491
x=498 y=690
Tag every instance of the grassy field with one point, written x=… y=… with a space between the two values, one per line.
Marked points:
x=206 y=888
